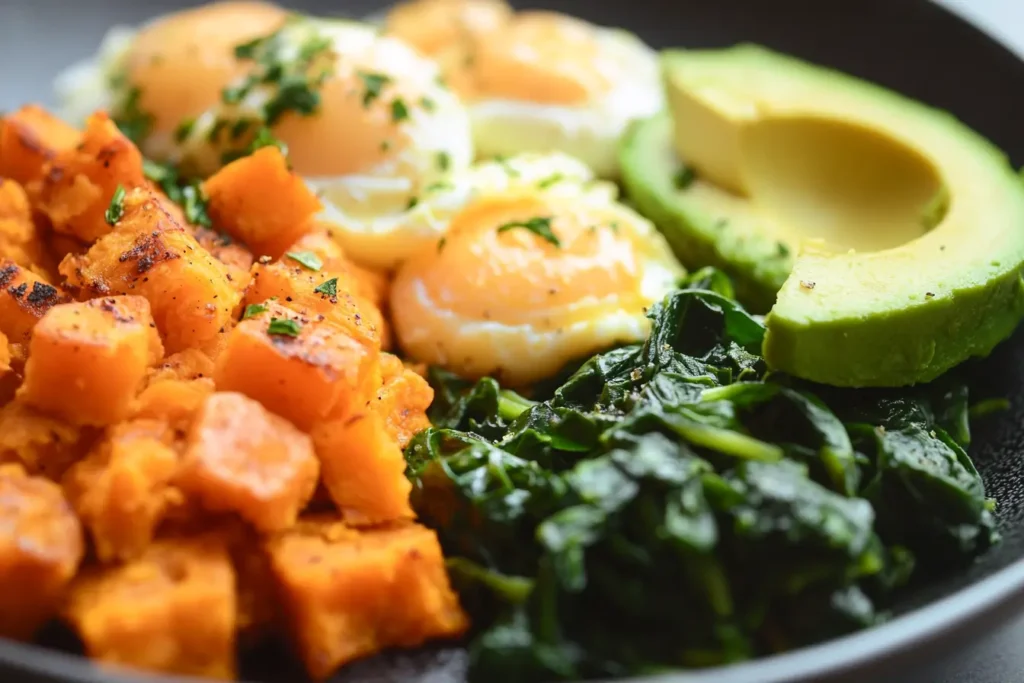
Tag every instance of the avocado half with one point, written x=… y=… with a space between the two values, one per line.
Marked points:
x=889 y=235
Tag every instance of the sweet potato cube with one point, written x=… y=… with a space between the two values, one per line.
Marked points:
x=351 y=594
x=300 y=367
x=242 y=458
x=24 y=298
x=363 y=469
x=88 y=360
x=291 y=283
x=403 y=400
x=173 y=401
x=20 y=239
x=40 y=548
x=185 y=365
x=29 y=138
x=172 y=610
x=149 y=254
x=369 y=284
x=122 y=489
x=45 y=445
x=78 y=183
x=260 y=202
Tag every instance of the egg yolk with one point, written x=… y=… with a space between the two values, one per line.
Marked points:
x=433 y=25
x=498 y=296
x=181 y=63
x=353 y=129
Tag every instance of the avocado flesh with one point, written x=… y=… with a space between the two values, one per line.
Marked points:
x=850 y=177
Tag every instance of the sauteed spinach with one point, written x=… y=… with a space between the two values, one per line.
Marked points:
x=673 y=504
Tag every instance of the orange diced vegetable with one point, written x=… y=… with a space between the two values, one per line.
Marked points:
x=20 y=240
x=349 y=594
x=40 y=548
x=123 y=488
x=302 y=368
x=260 y=202
x=173 y=401
x=24 y=298
x=243 y=459
x=87 y=360
x=187 y=364
x=363 y=469
x=43 y=444
x=291 y=283
x=79 y=183
x=403 y=400
x=30 y=137
x=151 y=255
x=171 y=610
x=367 y=283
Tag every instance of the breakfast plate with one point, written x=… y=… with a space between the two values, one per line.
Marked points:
x=740 y=317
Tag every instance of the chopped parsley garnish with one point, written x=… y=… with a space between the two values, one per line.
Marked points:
x=296 y=87
x=116 y=208
x=551 y=180
x=443 y=161
x=328 y=287
x=284 y=327
x=538 y=225
x=253 y=310
x=131 y=119
x=184 y=129
x=413 y=201
x=373 y=84
x=399 y=112
x=438 y=186
x=428 y=103
x=186 y=193
x=264 y=138
x=684 y=177
x=506 y=164
x=306 y=259
x=441 y=244
x=385 y=145
x=241 y=127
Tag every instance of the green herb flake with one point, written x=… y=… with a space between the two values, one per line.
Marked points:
x=427 y=103
x=552 y=179
x=444 y=161
x=538 y=225
x=184 y=129
x=194 y=202
x=284 y=327
x=413 y=201
x=441 y=244
x=373 y=84
x=116 y=208
x=307 y=259
x=399 y=110
x=254 y=310
x=328 y=288
x=684 y=177
x=130 y=118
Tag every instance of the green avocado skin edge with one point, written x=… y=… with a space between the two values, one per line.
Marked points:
x=925 y=344
x=756 y=265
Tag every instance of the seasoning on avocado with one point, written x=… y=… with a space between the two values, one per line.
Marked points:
x=328 y=287
x=306 y=259
x=253 y=309
x=284 y=327
x=538 y=225
x=116 y=208
x=373 y=84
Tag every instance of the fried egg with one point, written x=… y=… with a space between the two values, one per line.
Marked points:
x=536 y=267
x=364 y=117
x=536 y=80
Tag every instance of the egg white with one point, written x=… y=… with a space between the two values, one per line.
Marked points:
x=589 y=131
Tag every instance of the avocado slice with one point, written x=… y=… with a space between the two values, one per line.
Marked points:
x=901 y=230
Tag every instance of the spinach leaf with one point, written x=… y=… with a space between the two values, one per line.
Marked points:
x=673 y=504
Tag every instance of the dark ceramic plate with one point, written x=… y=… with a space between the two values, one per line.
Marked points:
x=910 y=45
